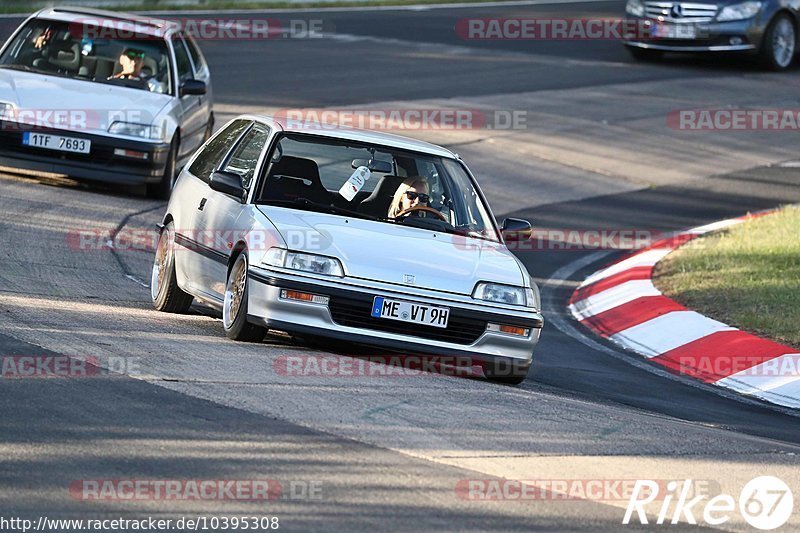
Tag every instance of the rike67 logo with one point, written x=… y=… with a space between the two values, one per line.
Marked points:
x=765 y=503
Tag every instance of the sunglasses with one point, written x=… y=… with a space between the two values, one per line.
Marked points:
x=133 y=54
x=423 y=198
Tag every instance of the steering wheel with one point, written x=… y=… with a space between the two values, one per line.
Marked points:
x=424 y=208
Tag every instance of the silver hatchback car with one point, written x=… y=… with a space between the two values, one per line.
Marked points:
x=103 y=96
x=346 y=234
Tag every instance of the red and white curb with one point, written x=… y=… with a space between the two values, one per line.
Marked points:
x=621 y=304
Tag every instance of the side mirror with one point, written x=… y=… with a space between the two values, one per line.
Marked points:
x=228 y=183
x=194 y=87
x=516 y=230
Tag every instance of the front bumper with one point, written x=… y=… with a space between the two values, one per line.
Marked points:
x=346 y=317
x=733 y=36
x=101 y=164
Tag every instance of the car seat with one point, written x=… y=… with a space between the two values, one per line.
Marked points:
x=377 y=203
x=295 y=177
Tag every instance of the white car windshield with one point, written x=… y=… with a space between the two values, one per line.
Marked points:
x=59 y=48
x=349 y=178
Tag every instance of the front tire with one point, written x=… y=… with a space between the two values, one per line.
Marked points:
x=164 y=290
x=506 y=371
x=778 y=46
x=234 y=309
x=163 y=189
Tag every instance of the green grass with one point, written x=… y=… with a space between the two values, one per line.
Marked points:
x=747 y=277
x=155 y=5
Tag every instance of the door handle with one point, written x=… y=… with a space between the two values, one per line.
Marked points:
x=202 y=204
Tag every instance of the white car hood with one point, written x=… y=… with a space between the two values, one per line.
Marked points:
x=76 y=105
x=386 y=252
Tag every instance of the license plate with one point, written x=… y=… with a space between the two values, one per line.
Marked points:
x=426 y=315
x=57 y=142
x=674 y=31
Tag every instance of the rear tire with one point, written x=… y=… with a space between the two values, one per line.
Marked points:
x=164 y=290
x=779 y=44
x=234 y=309
x=645 y=54
x=506 y=371
x=163 y=189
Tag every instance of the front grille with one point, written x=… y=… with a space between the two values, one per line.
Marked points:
x=690 y=12
x=356 y=313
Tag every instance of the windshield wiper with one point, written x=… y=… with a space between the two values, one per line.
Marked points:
x=329 y=208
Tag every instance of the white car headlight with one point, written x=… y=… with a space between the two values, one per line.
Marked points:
x=635 y=8
x=742 y=11
x=315 y=264
x=504 y=294
x=6 y=111
x=145 y=131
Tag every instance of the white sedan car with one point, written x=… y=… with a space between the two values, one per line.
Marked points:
x=103 y=96
x=347 y=234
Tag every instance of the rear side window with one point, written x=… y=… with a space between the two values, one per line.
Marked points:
x=182 y=60
x=197 y=59
x=211 y=155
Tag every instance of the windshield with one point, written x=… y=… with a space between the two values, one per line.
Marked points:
x=319 y=174
x=58 y=48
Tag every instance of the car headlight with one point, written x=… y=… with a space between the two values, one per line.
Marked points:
x=635 y=8
x=742 y=11
x=315 y=264
x=6 y=111
x=504 y=294
x=131 y=129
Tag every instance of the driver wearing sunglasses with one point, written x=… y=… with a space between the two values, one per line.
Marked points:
x=132 y=61
x=414 y=192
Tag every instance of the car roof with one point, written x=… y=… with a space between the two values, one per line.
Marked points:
x=144 y=25
x=356 y=134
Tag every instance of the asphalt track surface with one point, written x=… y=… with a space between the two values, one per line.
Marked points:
x=387 y=452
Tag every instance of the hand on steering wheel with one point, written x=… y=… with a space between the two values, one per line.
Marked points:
x=423 y=208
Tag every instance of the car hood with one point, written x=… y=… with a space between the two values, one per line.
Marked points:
x=78 y=105
x=386 y=252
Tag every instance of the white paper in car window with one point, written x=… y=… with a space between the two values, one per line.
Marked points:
x=355 y=183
